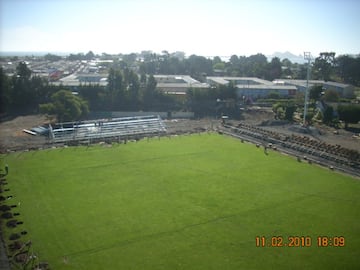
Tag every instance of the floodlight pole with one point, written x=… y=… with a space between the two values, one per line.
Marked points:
x=307 y=56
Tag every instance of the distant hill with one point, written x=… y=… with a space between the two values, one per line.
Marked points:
x=292 y=57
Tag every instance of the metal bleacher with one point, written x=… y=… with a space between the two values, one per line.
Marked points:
x=100 y=129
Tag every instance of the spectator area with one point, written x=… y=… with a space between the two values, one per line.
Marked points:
x=100 y=129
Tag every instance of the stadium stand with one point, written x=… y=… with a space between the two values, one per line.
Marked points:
x=101 y=129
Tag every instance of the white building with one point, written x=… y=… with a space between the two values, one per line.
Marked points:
x=344 y=90
x=177 y=84
x=254 y=87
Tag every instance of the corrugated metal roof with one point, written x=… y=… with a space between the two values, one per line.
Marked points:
x=267 y=87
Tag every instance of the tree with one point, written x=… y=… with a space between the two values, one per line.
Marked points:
x=75 y=57
x=133 y=89
x=234 y=60
x=278 y=110
x=274 y=69
x=149 y=93
x=348 y=69
x=315 y=92
x=349 y=114
x=331 y=96
x=5 y=98
x=289 y=112
x=257 y=65
x=170 y=65
x=284 y=111
x=52 y=57
x=116 y=93
x=323 y=66
x=198 y=66
x=66 y=106
x=90 y=55
x=302 y=72
x=95 y=95
x=21 y=96
x=286 y=68
x=219 y=66
x=328 y=115
x=286 y=63
x=129 y=59
x=216 y=60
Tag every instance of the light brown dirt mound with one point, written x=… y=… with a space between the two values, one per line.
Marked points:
x=12 y=136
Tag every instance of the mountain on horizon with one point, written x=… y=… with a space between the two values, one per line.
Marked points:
x=292 y=57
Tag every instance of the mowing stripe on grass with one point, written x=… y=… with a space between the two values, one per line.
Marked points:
x=190 y=202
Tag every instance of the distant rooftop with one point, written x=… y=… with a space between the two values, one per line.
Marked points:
x=78 y=79
x=238 y=80
x=178 y=82
x=311 y=82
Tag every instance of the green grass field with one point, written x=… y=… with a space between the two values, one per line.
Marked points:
x=189 y=202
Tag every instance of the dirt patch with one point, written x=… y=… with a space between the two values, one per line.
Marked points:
x=265 y=119
x=12 y=136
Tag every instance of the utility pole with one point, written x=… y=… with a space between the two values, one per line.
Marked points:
x=307 y=56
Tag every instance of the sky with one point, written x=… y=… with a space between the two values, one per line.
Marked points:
x=202 y=27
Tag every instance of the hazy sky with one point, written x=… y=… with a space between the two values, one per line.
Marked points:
x=208 y=28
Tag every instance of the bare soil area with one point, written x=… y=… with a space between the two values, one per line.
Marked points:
x=265 y=119
x=12 y=137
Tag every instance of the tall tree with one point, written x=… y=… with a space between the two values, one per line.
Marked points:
x=133 y=89
x=348 y=69
x=95 y=96
x=5 y=88
x=274 y=69
x=286 y=68
x=234 y=60
x=324 y=65
x=257 y=65
x=198 y=67
x=22 y=97
x=116 y=92
x=90 y=55
x=149 y=93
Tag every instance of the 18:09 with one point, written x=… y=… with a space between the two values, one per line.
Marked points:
x=335 y=241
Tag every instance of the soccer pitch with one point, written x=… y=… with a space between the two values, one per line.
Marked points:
x=186 y=202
